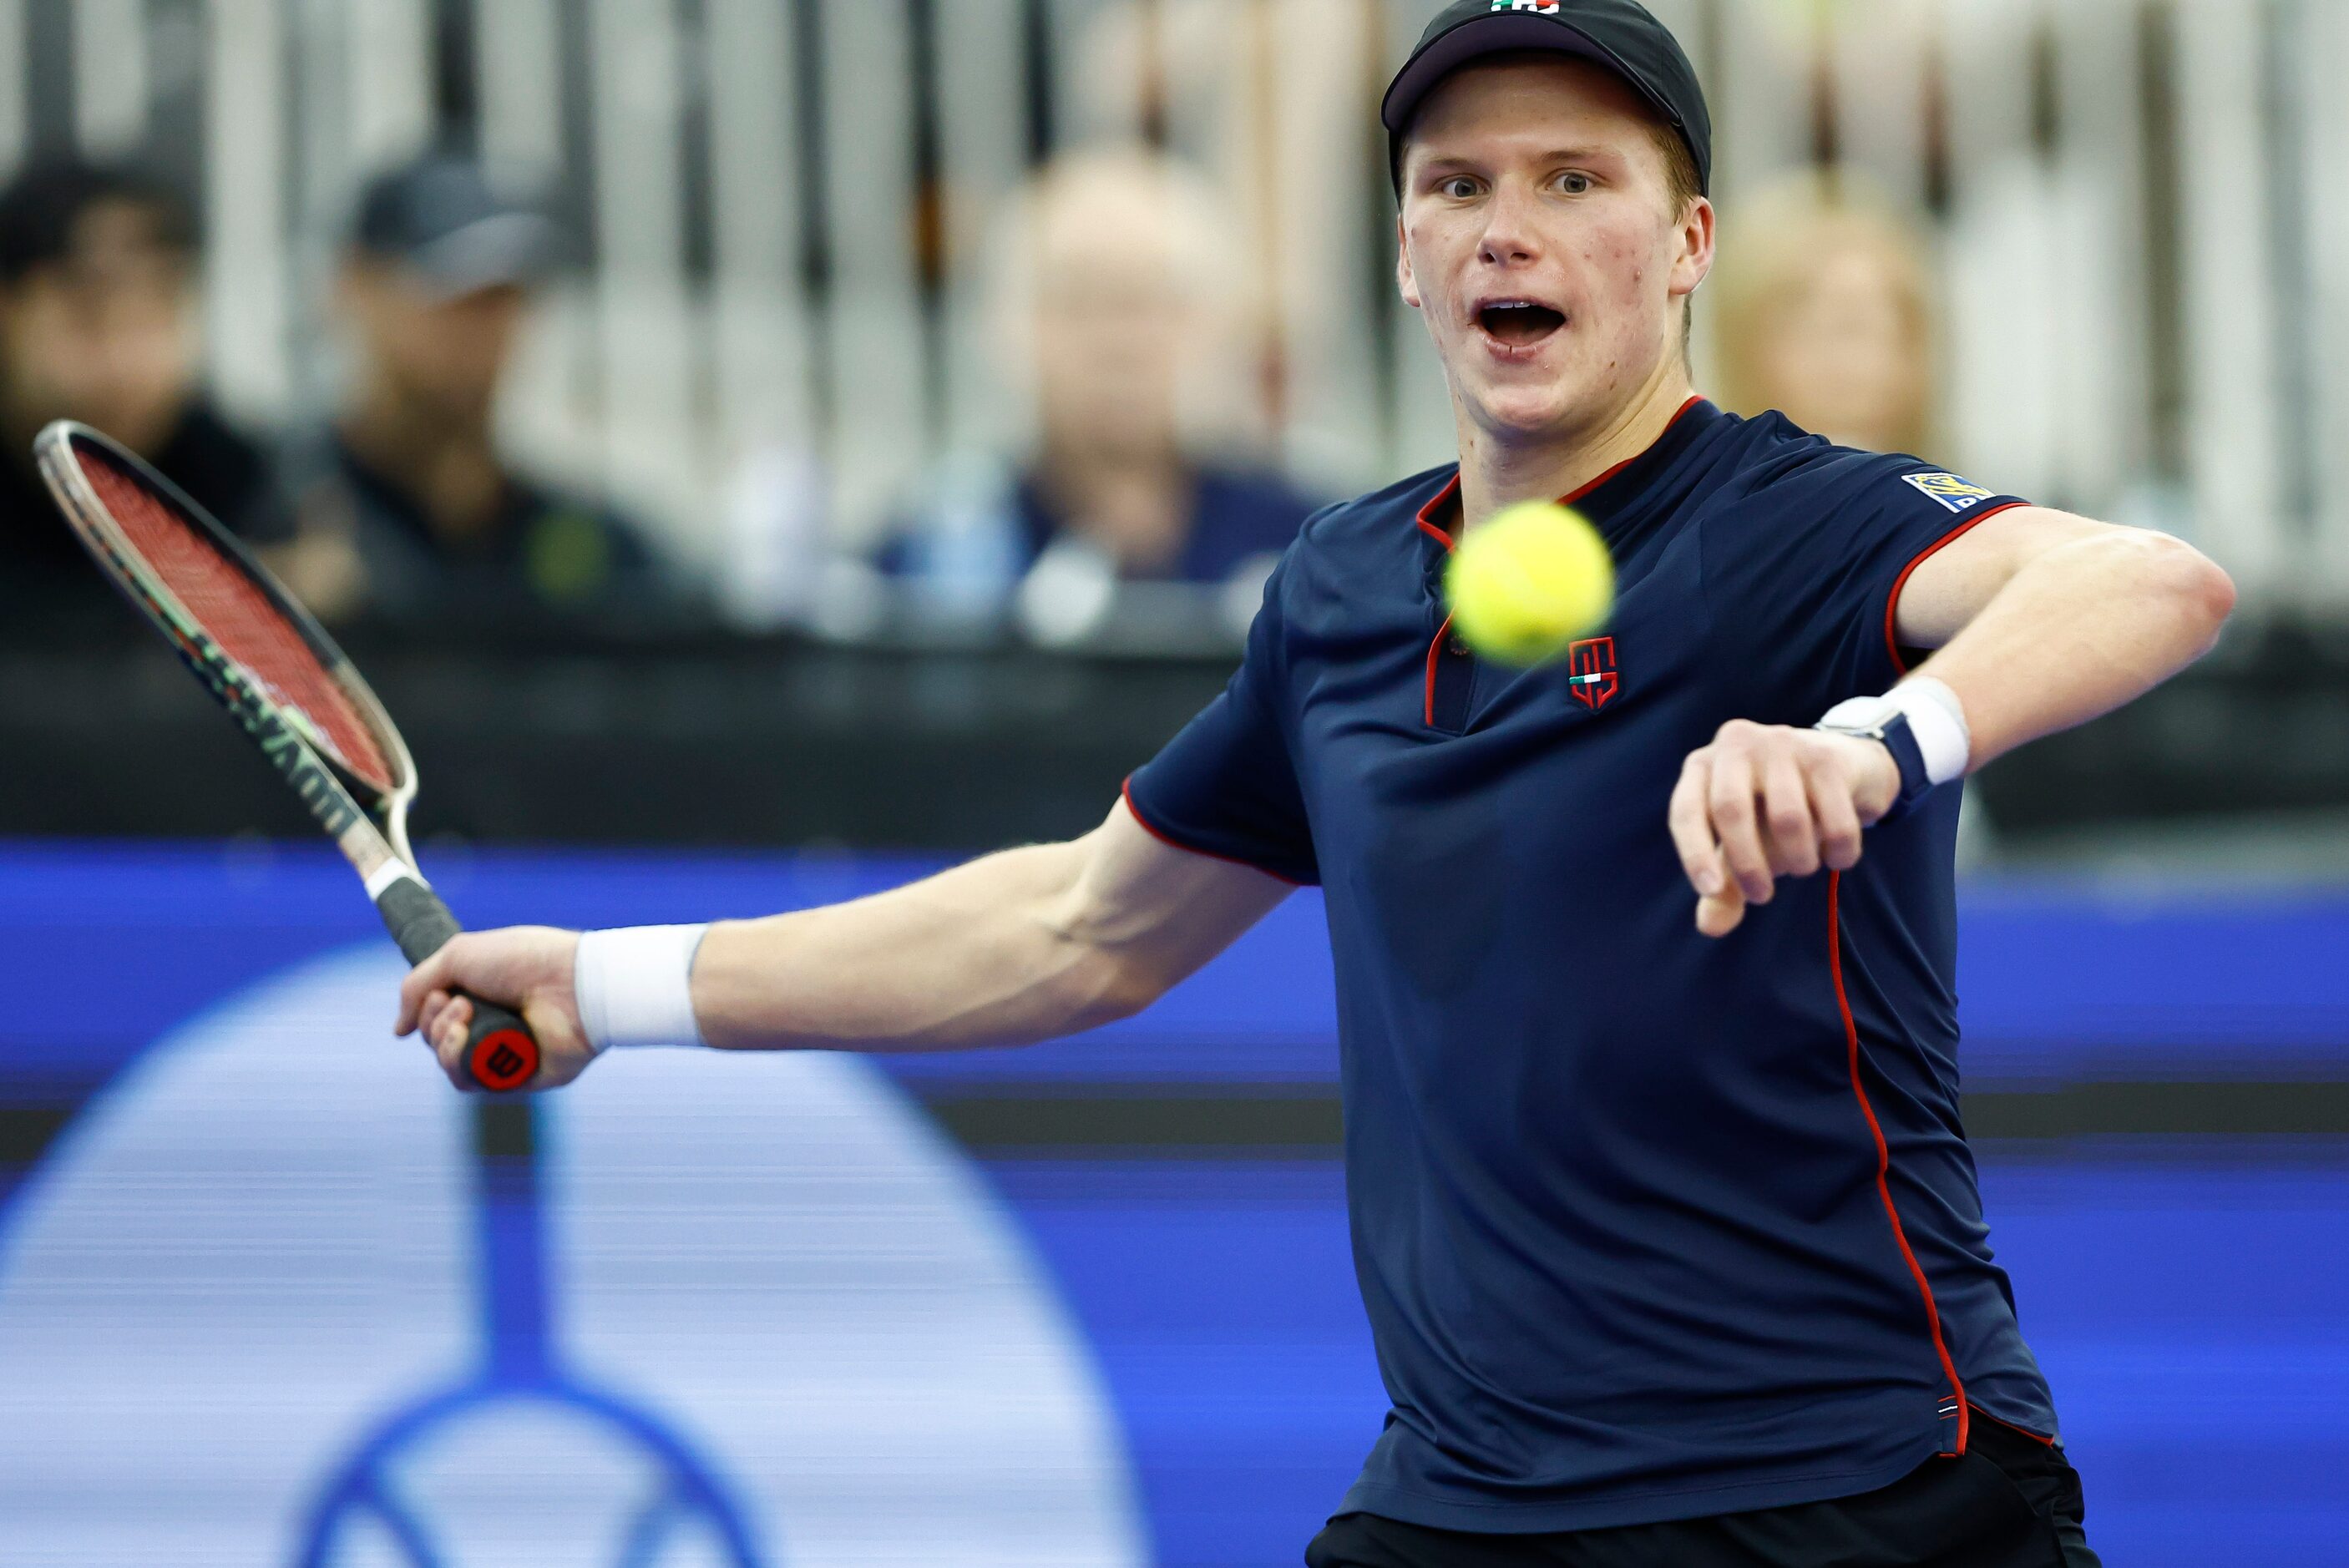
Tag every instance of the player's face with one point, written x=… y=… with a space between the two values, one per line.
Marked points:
x=1541 y=243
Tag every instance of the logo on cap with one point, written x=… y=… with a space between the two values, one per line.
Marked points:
x=1546 y=7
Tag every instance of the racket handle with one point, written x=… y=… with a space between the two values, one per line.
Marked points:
x=501 y=1053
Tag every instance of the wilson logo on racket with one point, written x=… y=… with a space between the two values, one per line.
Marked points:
x=506 y=1066
x=327 y=803
x=285 y=748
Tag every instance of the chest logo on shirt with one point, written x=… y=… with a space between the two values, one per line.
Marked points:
x=1590 y=672
x=1951 y=492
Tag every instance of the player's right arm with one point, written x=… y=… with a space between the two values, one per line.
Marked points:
x=1009 y=950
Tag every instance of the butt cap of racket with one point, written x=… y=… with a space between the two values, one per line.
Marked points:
x=501 y=1053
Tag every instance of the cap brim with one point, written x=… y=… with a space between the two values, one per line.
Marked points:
x=496 y=251
x=1506 y=33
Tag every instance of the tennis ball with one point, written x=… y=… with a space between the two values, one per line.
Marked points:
x=1528 y=581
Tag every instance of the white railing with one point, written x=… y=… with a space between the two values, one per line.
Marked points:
x=2143 y=207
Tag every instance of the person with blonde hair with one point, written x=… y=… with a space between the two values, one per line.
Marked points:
x=1823 y=310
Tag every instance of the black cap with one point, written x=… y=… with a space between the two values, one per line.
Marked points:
x=1617 y=33
x=42 y=208
x=442 y=220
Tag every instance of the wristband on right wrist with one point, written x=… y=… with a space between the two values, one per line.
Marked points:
x=634 y=985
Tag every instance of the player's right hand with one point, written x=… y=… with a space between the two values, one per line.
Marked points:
x=529 y=968
x=1765 y=802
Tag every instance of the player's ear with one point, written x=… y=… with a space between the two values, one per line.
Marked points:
x=1404 y=281
x=1693 y=264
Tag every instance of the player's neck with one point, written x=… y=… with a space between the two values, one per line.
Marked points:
x=1497 y=472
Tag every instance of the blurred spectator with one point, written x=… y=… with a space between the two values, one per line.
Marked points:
x=98 y=324
x=433 y=291
x=1824 y=311
x=1111 y=297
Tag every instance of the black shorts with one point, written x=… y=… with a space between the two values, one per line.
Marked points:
x=2010 y=1502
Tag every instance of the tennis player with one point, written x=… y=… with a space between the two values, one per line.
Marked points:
x=1667 y=1227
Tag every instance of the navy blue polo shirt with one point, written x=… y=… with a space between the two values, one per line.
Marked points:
x=1648 y=1226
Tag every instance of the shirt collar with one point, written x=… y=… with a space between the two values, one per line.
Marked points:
x=1602 y=496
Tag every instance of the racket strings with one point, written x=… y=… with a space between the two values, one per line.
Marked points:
x=239 y=615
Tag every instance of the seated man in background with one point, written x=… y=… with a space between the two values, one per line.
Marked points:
x=98 y=324
x=1111 y=294
x=434 y=287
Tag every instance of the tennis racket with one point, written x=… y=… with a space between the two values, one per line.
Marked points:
x=284 y=682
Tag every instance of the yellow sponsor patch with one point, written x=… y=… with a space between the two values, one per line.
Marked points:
x=1951 y=492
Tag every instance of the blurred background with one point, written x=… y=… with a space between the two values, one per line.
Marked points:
x=760 y=450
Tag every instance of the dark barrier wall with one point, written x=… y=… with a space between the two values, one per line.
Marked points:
x=781 y=744
x=1125 y=1255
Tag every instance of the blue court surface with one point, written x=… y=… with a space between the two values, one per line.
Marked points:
x=265 y=1230
x=2190 y=1317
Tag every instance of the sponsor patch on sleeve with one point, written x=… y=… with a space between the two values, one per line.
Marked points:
x=1951 y=492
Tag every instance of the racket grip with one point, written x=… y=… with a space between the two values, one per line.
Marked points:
x=501 y=1053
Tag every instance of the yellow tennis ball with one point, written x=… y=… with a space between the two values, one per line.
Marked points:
x=1528 y=581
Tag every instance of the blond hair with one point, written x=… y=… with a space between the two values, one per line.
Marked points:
x=1774 y=248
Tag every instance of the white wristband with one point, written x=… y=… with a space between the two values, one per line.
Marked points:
x=1936 y=722
x=1938 y=719
x=635 y=986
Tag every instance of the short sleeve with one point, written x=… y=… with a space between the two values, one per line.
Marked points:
x=1803 y=574
x=1226 y=786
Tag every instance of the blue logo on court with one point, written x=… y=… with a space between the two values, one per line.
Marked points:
x=278 y=1296
x=521 y=1365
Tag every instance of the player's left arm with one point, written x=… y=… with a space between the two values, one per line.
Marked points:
x=2045 y=621
x=2040 y=621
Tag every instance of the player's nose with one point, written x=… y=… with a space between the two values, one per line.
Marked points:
x=1510 y=238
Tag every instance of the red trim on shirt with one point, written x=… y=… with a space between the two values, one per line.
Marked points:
x=1435 y=530
x=1172 y=842
x=1884 y=1161
x=1892 y=605
x=1429 y=526
x=1426 y=519
x=1435 y=657
x=1575 y=499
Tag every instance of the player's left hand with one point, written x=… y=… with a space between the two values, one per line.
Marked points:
x=1765 y=802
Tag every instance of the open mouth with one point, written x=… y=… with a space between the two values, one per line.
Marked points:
x=1519 y=324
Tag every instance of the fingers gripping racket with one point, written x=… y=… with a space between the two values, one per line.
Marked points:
x=284 y=680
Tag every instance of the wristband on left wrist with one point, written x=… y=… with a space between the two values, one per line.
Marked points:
x=1921 y=724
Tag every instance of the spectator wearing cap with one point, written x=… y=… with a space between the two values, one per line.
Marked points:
x=433 y=290
x=97 y=323
x=1115 y=289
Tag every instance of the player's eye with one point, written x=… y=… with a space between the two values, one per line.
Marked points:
x=1575 y=183
x=1458 y=186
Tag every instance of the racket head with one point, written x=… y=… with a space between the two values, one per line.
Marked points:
x=231 y=621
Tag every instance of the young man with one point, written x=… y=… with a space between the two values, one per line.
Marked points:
x=1668 y=1237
